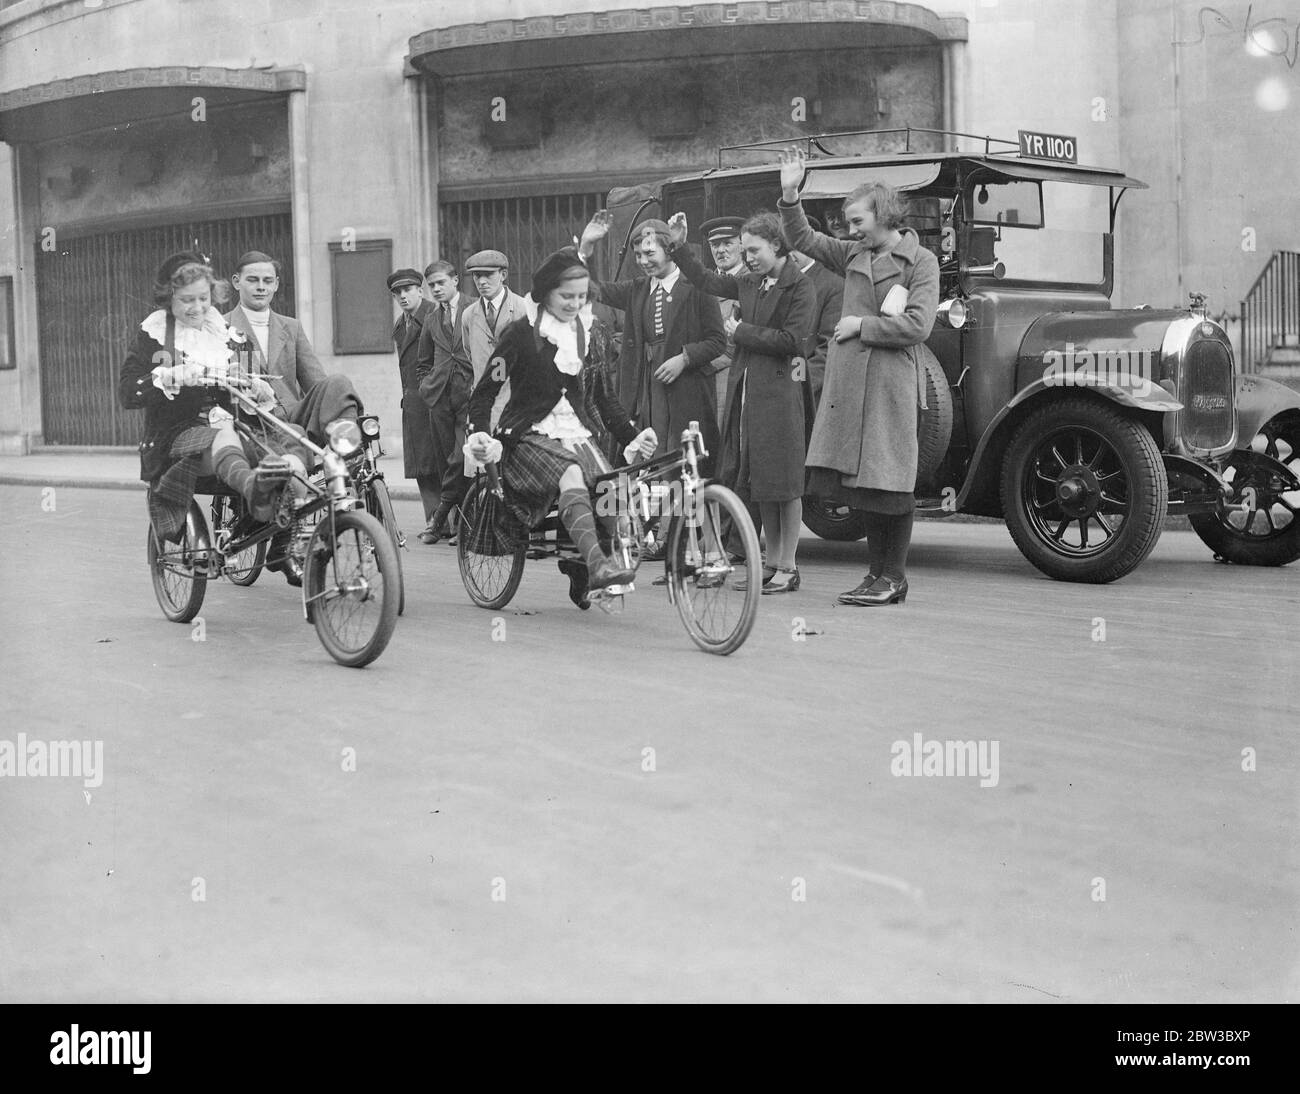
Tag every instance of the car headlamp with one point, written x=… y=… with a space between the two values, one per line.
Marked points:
x=344 y=436
x=953 y=312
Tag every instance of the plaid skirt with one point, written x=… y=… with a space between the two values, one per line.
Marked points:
x=171 y=493
x=530 y=481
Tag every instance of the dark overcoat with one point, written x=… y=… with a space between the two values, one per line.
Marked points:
x=867 y=417
x=776 y=328
x=692 y=327
x=417 y=429
x=830 y=306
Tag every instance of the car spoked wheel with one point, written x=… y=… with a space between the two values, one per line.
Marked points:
x=1267 y=531
x=716 y=613
x=351 y=582
x=834 y=522
x=1084 y=492
x=180 y=570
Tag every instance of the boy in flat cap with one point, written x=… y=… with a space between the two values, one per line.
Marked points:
x=417 y=430
x=483 y=321
x=672 y=334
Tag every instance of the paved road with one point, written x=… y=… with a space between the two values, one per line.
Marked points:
x=517 y=769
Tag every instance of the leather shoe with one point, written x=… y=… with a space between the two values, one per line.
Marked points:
x=789 y=585
x=849 y=597
x=883 y=590
x=577 y=575
x=607 y=573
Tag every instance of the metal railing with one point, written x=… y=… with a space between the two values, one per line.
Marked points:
x=1270 y=314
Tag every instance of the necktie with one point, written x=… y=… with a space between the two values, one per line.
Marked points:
x=406 y=325
x=659 y=312
x=446 y=318
x=491 y=310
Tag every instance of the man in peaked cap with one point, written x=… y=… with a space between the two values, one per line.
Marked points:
x=418 y=461
x=722 y=234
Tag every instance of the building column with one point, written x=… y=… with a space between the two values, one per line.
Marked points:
x=299 y=185
x=955 y=91
x=27 y=319
x=424 y=168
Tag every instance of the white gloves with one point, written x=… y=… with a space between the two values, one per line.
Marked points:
x=481 y=448
x=642 y=446
x=171 y=378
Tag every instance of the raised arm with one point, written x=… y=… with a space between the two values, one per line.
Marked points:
x=716 y=284
x=799 y=236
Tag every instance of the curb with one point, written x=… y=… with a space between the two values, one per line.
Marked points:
x=74 y=482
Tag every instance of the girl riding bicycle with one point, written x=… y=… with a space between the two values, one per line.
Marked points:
x=559 y=400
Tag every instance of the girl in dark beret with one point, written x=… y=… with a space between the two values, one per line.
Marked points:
x=560 y=402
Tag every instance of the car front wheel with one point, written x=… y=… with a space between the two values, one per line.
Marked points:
x=1084 y=491
x=1267 y=532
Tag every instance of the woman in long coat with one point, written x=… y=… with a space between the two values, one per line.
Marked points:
x=769 y=399
x=863 y=451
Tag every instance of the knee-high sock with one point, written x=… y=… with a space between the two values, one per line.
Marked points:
x=900 y=539
x=877 y=540
x=232 y=468
x=575 y=512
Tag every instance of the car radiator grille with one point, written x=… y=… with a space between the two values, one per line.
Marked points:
x=1207 y=395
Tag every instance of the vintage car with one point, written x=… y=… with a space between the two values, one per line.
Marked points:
x=1078 y=424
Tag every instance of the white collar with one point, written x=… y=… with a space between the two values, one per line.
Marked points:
x=253 y=316
x=564 y=338
x=736 y=270
x=805 y=269
x=497 y=300
x=208 y=346
x=667 y=282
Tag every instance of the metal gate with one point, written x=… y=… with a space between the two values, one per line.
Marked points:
x=527 y=229
x=93 y=292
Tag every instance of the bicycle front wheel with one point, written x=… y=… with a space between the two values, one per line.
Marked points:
x=491 y=579
x=717 y=615
x=352 y=584
x=180 y=570
x=380 y=506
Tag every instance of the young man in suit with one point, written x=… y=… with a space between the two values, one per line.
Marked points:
x=308 y=395
x=305 y=394
x=444 y=373
x=672 y=334
x=722 y=234
x=418 y=448
x=830 y=303
x=494 y=310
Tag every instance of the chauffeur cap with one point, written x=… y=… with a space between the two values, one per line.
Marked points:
x=400 y=279
x=487 y=261
x=721 y=228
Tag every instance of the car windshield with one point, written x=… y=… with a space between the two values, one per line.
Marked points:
x=1061 y=242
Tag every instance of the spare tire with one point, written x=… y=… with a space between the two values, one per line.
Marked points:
x=934 y=423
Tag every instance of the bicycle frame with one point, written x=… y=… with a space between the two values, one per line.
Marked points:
x=334 y=495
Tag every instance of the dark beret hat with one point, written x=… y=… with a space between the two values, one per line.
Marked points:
x=721 y=228
x=400 y=279
x=550 y=273
x=172 y=263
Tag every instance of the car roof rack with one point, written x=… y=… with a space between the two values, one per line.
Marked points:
x=813 y=141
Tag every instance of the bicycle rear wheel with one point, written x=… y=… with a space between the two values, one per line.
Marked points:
x=380 y=506
x=179 y=570
x=352 y=585
x=490 y=580
x=717 y=615
x=245 y=567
